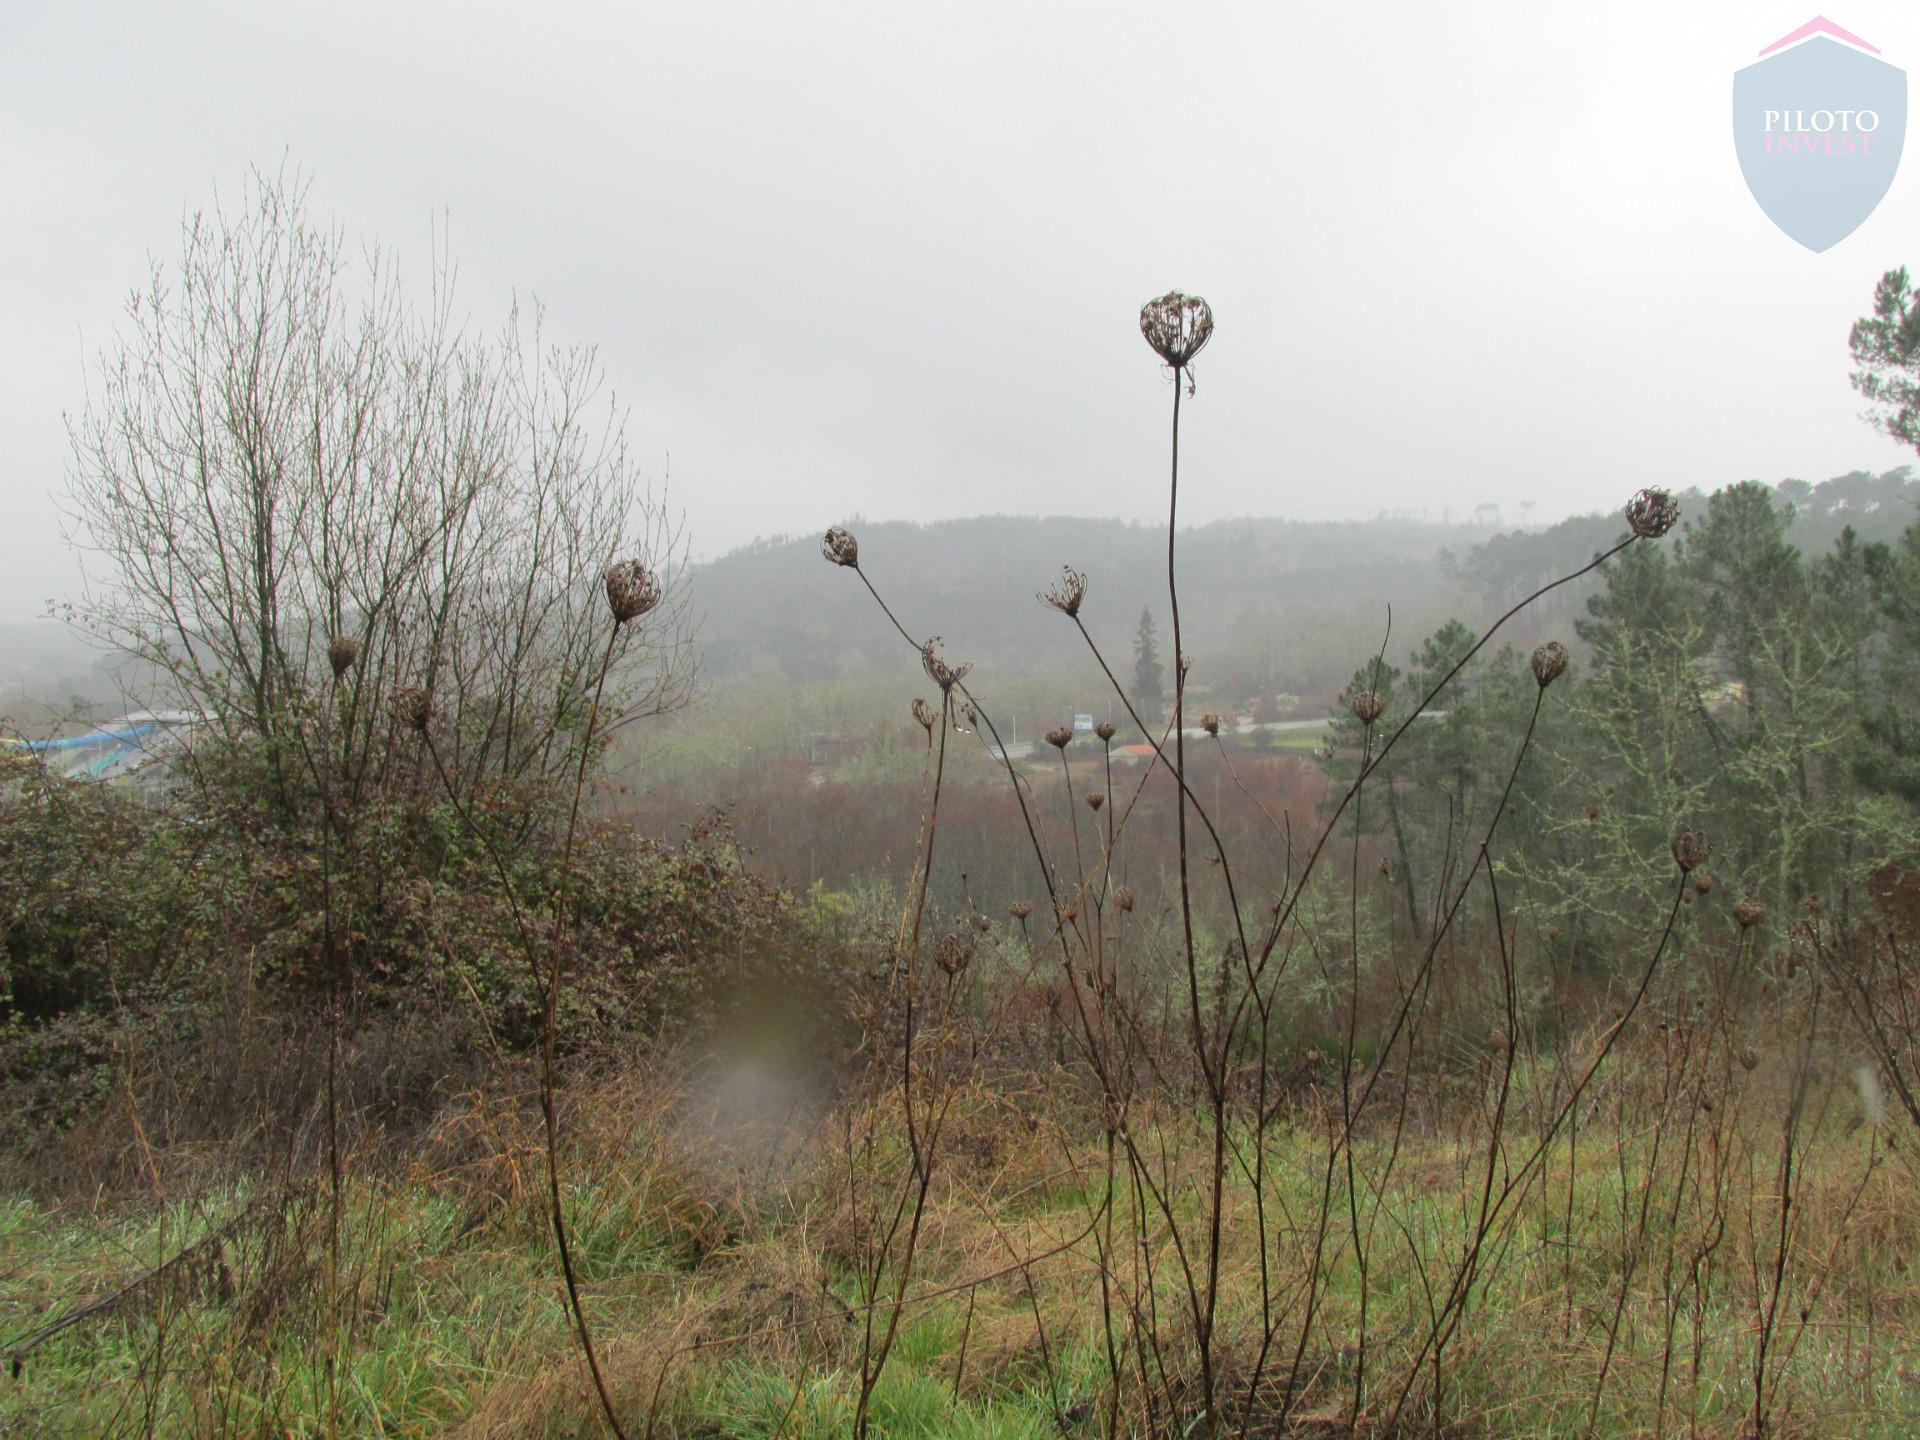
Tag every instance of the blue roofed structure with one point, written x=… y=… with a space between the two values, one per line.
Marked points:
x=137 y=747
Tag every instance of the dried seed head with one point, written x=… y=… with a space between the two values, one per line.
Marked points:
x=1177 y=327
x=1593 y=812
x=1106 y=730
x=1066 y=593
x=1368 y=706
x=1749 y=912
x=942 y=674
x=1067 y=910
x=1549 y=663
x=1691 y=849
x=1020 y=909
x=1702 y=882
x=341 y=654
x=1749 y=1057
x=950 y=953
x=1123 y=897
x=1210 y=723
x=413 y=707
x=1095 y=799
x=841 y=548
x=1652 y=513
x=1060 y=736
x=923 y=712
x=970 y=714
x=982 y=924
x=632 y=590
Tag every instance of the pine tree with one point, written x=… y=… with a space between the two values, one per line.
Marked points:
x=1149 y=680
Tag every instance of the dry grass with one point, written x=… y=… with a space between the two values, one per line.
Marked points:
x=719 y=1245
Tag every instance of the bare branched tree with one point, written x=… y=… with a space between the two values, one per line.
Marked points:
x=280 y=449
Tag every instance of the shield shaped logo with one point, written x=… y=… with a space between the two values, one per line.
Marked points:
x=1818 y=126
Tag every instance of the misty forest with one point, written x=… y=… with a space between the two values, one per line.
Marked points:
x=468 y=967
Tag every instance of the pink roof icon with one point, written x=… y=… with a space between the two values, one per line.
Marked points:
x=1819 y=25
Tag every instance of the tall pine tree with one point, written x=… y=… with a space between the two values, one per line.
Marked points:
x=1149 y=680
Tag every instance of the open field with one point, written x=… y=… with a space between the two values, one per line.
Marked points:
x=719 y=1256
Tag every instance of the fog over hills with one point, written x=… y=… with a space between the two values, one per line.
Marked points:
x=47 y=662
x=1286 y=605
x=974 y=582
x=1297 y=598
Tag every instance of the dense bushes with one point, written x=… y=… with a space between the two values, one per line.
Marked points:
x=128 y=930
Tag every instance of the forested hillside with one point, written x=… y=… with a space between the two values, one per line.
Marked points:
x=1279 y=604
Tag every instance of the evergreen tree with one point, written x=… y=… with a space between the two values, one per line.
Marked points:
x=1149 y=679
x=1886 y=350
x=1432 y=796
x=1875 y=590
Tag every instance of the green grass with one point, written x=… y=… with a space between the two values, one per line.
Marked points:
x=1301 y=740
x=439 y=1313
x=455 y=1317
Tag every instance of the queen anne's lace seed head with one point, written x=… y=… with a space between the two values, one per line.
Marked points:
x=1651 y=513
x=951 y=954
x=1177 y=326
x=1549 y=663
x=1691 y=849
x=341 y=654
x=632 y=590
x=938 y=670
x=841 y=548
x=1066 y=593
x=413 y=707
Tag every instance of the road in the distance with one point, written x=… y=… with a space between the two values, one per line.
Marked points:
x=1020 y=749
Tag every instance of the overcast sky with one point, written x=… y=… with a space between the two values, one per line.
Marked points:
x=887 y=258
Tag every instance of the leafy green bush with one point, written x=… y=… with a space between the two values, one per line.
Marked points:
x=187 y=936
